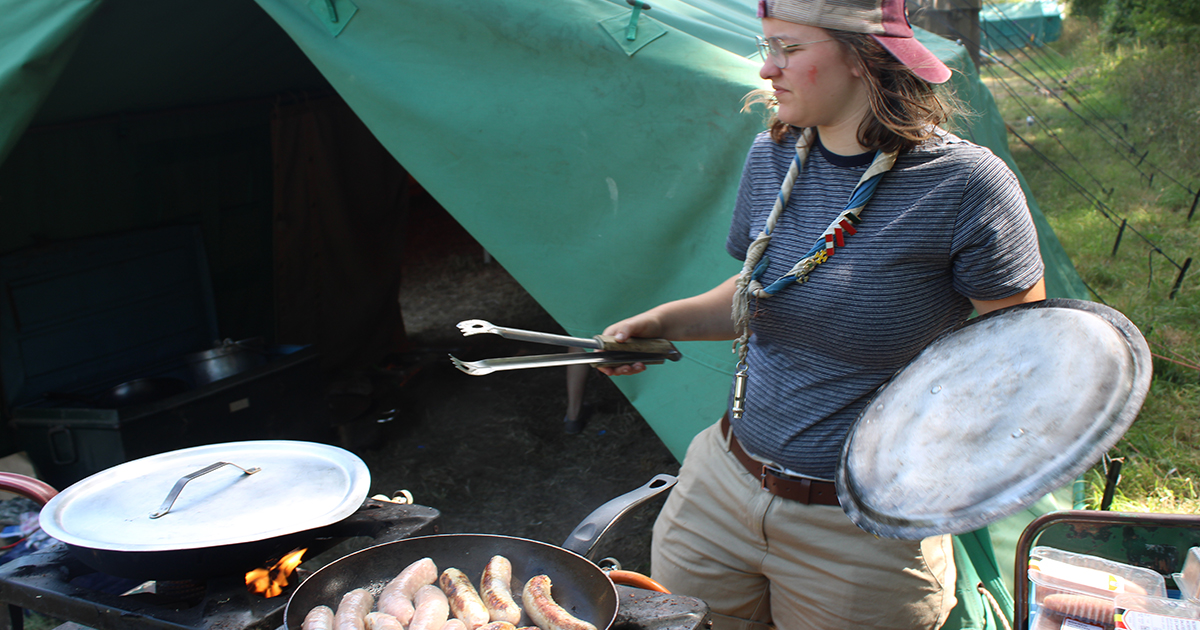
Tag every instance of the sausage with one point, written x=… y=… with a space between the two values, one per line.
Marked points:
x=1080 y=607
x=544 y=611
x=352 y=610
x=382 y=621
x=454 y=624
x=319 y=618
x=496 y=590
x=465 y=602
x=432 y=609
x=396 y=598
x=498 y=625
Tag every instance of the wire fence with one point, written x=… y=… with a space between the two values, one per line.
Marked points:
x=1046 y=75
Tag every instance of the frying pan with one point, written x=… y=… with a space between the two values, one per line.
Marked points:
x=578 y=584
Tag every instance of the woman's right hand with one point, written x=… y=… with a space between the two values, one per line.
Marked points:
x=703 y=317
x=643 y=326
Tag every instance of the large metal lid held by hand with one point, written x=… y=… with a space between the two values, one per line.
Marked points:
x=991 y=417
x=210 y=496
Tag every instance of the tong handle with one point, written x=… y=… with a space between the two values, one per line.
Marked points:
x=661 y=347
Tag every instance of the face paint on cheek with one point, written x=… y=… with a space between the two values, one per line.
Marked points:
x=812 y=75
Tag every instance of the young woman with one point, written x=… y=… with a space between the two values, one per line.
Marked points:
x=865 y=231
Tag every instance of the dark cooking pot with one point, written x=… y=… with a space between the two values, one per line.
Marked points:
x=225 y=359
x=578 y=584
x=136 y=392
x=214 y=518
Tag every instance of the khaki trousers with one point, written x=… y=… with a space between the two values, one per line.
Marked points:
x=757 y=559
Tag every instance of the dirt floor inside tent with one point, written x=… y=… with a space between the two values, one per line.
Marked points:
x=490 y=451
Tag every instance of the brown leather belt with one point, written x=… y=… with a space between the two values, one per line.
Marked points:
x=807 y=491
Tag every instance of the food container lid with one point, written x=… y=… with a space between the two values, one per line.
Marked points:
x=1189 y=580
x=1057 y=570
x=991 y=417
x=300 y=486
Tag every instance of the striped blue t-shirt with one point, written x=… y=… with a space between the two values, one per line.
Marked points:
x=949 y=222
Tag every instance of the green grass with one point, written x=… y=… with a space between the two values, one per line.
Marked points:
x=1136 y=116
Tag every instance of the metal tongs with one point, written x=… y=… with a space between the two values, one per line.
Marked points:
x=605 y=350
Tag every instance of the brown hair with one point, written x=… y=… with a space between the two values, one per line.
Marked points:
x=905 y=108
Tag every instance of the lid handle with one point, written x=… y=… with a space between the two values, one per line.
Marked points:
x=174 y=494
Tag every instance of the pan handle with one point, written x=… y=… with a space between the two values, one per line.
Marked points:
x=585 y=535
x=28 y=487
x=637 y=580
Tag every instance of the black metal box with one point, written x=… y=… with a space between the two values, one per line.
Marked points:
x=82 y=317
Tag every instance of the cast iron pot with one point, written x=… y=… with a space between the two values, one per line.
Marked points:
x=213 y=517
x=579 y=585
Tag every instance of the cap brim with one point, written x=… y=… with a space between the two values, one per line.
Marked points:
x=917 y=57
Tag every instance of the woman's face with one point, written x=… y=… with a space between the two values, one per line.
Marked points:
x=820 y=87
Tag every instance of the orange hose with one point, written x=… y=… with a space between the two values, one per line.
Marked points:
x=631 y=578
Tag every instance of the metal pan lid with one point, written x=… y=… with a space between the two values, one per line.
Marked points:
x=300 y=486
x=991 y=417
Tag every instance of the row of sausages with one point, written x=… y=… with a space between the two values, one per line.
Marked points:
x=420 y=598
x=1085 y=610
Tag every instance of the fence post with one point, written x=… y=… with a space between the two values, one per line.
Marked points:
x=1120 y=232
x=1179 y=279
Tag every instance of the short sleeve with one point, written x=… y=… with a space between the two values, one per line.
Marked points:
x=740 y=226
x=995 y=248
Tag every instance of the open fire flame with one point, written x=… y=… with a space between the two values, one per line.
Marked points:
x=270 y=582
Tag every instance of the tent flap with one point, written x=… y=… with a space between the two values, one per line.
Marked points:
x=601 y=181
x=36 y=41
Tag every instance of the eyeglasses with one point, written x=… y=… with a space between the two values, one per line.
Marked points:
x=774 y=49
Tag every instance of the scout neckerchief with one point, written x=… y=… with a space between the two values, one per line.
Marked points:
x=748 y=282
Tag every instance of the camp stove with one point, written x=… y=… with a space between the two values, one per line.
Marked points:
x=53 y=582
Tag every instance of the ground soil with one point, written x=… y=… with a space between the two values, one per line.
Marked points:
x=490 y=451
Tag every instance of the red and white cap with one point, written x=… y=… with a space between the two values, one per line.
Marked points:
x=885 y=20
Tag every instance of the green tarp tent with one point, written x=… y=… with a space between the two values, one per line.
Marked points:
x=620 y=167
x=598 y=170
x=1012 y=25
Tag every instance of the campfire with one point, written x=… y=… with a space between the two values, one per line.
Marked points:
x=270 y=582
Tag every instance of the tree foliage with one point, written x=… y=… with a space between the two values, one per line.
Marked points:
x=1153 y=22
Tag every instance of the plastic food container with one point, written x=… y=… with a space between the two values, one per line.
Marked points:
x=1143 y=612
x=1082 y=588
x=1189 y=581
